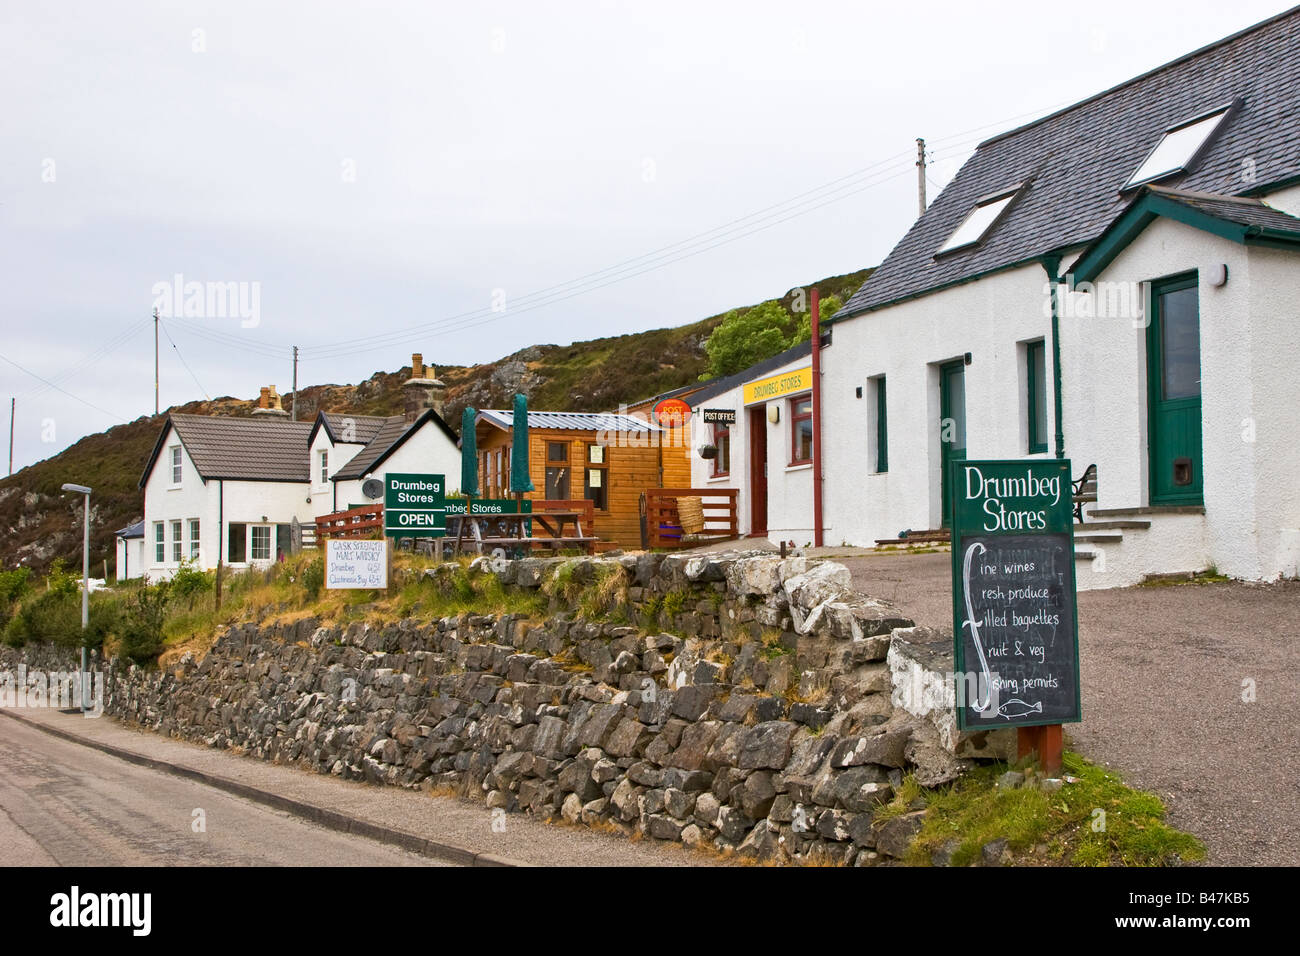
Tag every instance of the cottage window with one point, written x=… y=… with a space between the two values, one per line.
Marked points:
x=557 y=471
x=1036 y=395
x=324 y=467
x=177 y=544
x=596 y=486
x=979 y=221
x=159 y=542
x=882 y=426
x=176 y=464
x=722 y=442
x=260 y=548
x=1177 y=149
x=801 y=430
x=235 y=551
x=194 y=538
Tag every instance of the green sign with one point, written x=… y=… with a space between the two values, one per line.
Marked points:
x=489 y=506
x=415 y=505
x=1015 y=620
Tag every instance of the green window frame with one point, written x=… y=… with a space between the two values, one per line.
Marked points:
x=882 y=427
x=1036 y=395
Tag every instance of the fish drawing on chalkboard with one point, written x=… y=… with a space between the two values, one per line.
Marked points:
x=1016 y=707
x=972 y=621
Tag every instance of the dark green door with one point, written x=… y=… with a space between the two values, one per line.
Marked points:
x=1174 y=392
x=952 y=426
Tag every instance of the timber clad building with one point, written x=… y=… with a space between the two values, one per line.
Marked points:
x=1117 y=283
x=606 y=459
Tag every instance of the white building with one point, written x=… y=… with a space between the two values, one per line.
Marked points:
x=759 y=424
x=130 y=551
x=229 y=490
x=1167 y=208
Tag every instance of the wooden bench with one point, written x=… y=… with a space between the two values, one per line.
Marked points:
x=1085 y=491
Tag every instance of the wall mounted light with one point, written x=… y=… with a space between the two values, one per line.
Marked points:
x=1218 y=275
x=773 y=413
x=859 y=391
x=966 y=358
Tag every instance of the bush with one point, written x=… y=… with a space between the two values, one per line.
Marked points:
x=53 y=616
x=140 y=622
x=14 y=586
x=189 y=581
x=313 y=577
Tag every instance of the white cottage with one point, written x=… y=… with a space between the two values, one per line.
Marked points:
x=130 y=551
x=229 y=490
x=1117 y=283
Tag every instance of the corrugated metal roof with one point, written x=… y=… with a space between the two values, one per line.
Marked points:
x=247 y=449
x=570 y=421
x=1079 y=159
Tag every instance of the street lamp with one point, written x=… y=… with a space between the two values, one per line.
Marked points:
x=85 y=586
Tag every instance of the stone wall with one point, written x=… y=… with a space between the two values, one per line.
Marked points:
x=747 y=709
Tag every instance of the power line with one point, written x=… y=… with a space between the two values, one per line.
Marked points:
x=185 y=363
x=78 y=398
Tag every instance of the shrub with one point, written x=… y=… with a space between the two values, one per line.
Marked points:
x=313 y=577
x=189 y=581
x=140 y=626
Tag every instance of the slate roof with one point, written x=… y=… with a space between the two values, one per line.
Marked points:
x=132 y=530
x=1243 y=210
x=570 y=421
x=389 y=437
x=719 y=385
x=1076 y=161
x=239 y=449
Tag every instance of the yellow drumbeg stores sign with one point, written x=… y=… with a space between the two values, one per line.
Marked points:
x=786 y=383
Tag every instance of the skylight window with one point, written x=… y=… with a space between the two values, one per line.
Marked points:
x=1177 y=148
x=979 y=221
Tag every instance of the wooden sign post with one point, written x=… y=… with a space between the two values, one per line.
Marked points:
x=1015 y=620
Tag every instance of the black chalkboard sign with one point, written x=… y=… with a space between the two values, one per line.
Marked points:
x=1015 y=621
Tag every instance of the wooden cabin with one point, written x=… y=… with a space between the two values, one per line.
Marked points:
x=606 y=458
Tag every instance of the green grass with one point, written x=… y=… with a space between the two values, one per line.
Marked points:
x=974 y=811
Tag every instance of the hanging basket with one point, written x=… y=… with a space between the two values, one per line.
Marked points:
x=708 y=451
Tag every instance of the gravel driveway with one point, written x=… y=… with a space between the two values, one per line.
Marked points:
x=1163 y=671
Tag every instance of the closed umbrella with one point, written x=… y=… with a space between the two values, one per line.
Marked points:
x=468 y=468
x=520 y=482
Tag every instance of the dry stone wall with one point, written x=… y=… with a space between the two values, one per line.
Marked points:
x=748 y=708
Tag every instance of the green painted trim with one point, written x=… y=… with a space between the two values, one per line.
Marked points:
x=1034 y=383
x=1052 y=265
x=1276 y=185
x=882 y=426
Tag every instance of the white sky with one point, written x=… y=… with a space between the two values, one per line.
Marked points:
x=511 y=147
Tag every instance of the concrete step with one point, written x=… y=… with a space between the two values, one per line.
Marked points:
x=1106 y=513
x=1088 y=526
x=1099 y=537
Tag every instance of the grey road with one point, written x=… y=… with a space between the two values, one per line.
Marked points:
x=62 y=804
x=1189 y=691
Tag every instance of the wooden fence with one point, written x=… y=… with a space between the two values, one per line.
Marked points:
x=362 y=522
x=664 y=525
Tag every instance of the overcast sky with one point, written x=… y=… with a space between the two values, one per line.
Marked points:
x=389 y=178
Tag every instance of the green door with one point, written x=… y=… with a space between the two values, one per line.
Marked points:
x=952 y=426
x=1174 y=392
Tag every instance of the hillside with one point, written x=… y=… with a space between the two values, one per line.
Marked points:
x=43 y=524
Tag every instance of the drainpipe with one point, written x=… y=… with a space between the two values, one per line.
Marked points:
x=1052 y=264
x=814 y=303
x=221 y=536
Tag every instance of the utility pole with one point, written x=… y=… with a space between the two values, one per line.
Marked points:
x=295 y=383
x=920 y=176
x=13 y=403
x=155 y=361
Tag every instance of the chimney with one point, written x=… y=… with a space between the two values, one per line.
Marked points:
x=422 y=390
x=268 y=403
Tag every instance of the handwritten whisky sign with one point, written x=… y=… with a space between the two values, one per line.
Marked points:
x=1015 y=622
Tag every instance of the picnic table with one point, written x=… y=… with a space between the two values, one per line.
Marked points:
x=488 y=532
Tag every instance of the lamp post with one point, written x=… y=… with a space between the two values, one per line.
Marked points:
x=85 y=585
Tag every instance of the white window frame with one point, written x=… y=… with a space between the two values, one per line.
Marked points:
x=1146 y=173
x=253 y=530
x=177 y=466
x=178 y=543
x=324 y=461
x=194 y=537
x=963 y=236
